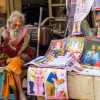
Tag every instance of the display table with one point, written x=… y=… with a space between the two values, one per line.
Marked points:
x=83 y=87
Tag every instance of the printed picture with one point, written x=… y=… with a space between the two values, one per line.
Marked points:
x=56 y=48
x=55 y=84
x=75 y=45
x=91 y=55
x=35 y=81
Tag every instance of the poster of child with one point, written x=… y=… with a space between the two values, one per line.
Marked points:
x=56 y=84
x=35 y=81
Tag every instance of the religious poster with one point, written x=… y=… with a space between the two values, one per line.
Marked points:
x=35 y=81
x=91 y=54
x=48 y=82
x=56 y=48
x=56 y=84
x=75 y=45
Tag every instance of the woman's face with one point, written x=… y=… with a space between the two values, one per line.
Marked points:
x=16 y=24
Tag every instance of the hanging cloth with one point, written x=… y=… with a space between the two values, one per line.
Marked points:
x=77 y=11
x=13 y=68
x=9 y=81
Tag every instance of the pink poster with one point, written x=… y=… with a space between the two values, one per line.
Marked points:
x=35 y=81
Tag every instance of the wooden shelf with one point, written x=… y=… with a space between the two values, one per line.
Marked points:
x=56 y=10
x=53 y=6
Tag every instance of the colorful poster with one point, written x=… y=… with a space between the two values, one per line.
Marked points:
x=56 y=48
x=35 y=81
x=56 y=84
x=91 y=55
x=48 y=82
x=75 y=45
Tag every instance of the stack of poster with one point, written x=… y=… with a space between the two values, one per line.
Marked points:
x=60 y=53
x=49 y=76
x=55 y=51
x=38 y=62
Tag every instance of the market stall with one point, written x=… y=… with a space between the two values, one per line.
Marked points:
x=70 y=68
x=84 y=59
x=88 y=78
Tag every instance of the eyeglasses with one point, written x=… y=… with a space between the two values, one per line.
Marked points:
x=17 y=25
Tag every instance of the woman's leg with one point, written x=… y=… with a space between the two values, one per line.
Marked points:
x=19 y=87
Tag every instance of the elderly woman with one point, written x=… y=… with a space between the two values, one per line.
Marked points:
x=14 y=40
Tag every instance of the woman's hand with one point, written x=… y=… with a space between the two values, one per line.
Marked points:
x=25 y=57
x=12 y=47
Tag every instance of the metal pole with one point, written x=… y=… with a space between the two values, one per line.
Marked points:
x=39 y=26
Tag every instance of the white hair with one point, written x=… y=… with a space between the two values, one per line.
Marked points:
x=15 y=15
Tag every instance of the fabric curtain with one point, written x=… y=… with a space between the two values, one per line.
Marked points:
x=77 y=11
